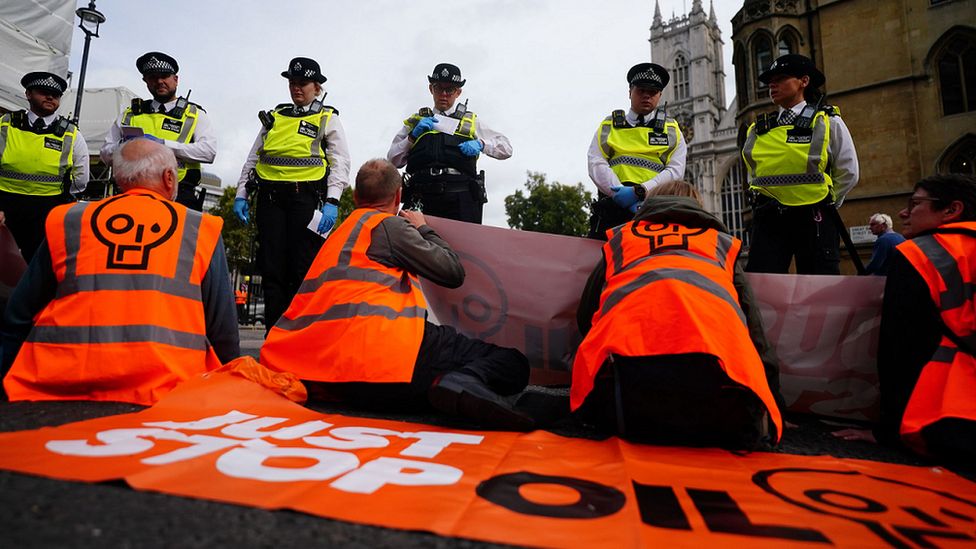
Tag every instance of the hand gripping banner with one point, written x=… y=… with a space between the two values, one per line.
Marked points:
x=222 y=437
x=523 y=288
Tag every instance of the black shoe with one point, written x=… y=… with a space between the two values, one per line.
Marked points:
x=466 y=396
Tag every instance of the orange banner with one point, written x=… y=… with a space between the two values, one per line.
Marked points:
x=221 y=437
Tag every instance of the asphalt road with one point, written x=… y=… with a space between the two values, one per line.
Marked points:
x=39 y=512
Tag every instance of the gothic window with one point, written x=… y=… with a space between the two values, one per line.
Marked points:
x=681 y=79
x=785 y=45
x=961 y=157
x=956 y=63
x=734 y=201
x=762 y=54
x=741 y=75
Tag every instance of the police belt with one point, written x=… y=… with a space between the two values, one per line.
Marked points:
x=436 y=172
x=286 y=186
x=421 y=182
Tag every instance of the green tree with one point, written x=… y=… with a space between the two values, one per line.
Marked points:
x=239 y=239
x=549 y=207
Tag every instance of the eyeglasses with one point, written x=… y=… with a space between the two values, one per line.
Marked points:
x=447 y=90
x=916 y=200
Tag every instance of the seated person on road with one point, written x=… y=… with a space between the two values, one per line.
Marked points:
x=672 y=339
x=126 y=297
x=358 y=323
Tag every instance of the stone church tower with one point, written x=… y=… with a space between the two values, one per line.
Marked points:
x=690 y=47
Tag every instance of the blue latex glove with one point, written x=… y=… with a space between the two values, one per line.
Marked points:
x=425 y=125
x=635 y=206
x=241 y=210
x=471 y=148
x=624 y=196
x=329 y=214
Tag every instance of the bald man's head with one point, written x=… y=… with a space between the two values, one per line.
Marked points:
x=142 y=163
x=377 y=184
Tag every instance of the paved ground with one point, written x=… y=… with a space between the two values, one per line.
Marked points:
x=39 y=512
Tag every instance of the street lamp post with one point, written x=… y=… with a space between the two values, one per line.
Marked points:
x=91 y=18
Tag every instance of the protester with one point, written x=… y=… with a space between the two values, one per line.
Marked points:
x=634 y=152
x=801 y=164
x=926 y=362
x=125 y=298
x=442 y=172
x=43 y=160
x=686 y=369
x=888 y=239
x=358 y=324
x=183 y=126
x=300 y=163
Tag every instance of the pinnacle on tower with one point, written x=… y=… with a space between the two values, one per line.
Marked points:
x=657 y=13
x=711 y=11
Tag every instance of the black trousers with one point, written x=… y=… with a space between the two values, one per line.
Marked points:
x=442 y=349
x=286 y=248
x=780 y=233
x=450 y=196
x=189 y=196
x=605 y=214
x=674 y=399
x=25 y=216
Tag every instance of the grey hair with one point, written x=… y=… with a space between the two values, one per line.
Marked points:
x=881 y=218
x=145 y=170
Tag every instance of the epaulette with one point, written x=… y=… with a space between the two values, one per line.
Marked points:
x=198 y=106
x=280 y=106
x=831 y=110
x=619 y=119
x=334 y=110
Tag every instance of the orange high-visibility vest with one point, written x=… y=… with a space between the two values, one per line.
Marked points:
x=669 y=291
x=946 y=387
x=126 y=322
x=353 y=319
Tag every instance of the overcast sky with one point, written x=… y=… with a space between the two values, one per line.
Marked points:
x=543 y=72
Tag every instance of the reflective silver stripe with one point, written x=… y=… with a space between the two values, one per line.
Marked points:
x=467 y=125
x=786 y=180
x=31 y=177
x=637 y=162
x=817 y=148
x=944 y=354
x=291 y=162
x=343 y=271
x=135 y=282
x=747 y=149
x=957 y=291
x=617 y=249
x=132 y=333
x=191 y=112
x=188 y=246
x=681 y=275
x=72 y=238
x=66 y=147
x=4 y=124
x=127 y=117
x=605 y=129
x=723 y=246
x=349 y=310
x=316 y=149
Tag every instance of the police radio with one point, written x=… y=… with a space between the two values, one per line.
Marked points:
x=266 y=119
x=315 y=107
x=657 y=125
x=805 y=120
x=181 y=104
x=460 y=111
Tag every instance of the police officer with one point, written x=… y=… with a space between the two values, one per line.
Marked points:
x=801 y=164
x=43 y=160
x=183 y=126
x=634 y=152
x=440 y=147
x=300 y=161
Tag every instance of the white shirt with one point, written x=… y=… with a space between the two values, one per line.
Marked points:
x=841 y=156
x=496 y=144
x=336 y=152
x=80 y=169
x=203 y=147
x=603 y=176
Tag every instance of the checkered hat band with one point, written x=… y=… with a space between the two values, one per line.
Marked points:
x=48 y=82
x=291 y=162
x=158 y=65
x=637 y=162
x=646 y=76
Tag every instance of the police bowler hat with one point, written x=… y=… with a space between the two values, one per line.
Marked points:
x=648 y=75
x=45 y=81
x=157 y=62
x=303 y=68
x=446 y=73
x=796 y=65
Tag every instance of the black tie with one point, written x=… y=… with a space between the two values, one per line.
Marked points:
x=162 y=109
x=640 y=120
x=299 y=110
x=38 y=124
x=787 y=117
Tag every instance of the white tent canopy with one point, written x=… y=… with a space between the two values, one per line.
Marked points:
x=100 y=107
x=35 y=35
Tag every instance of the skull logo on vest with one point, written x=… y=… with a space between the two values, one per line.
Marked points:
x=131 y=241
x=665 y=236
